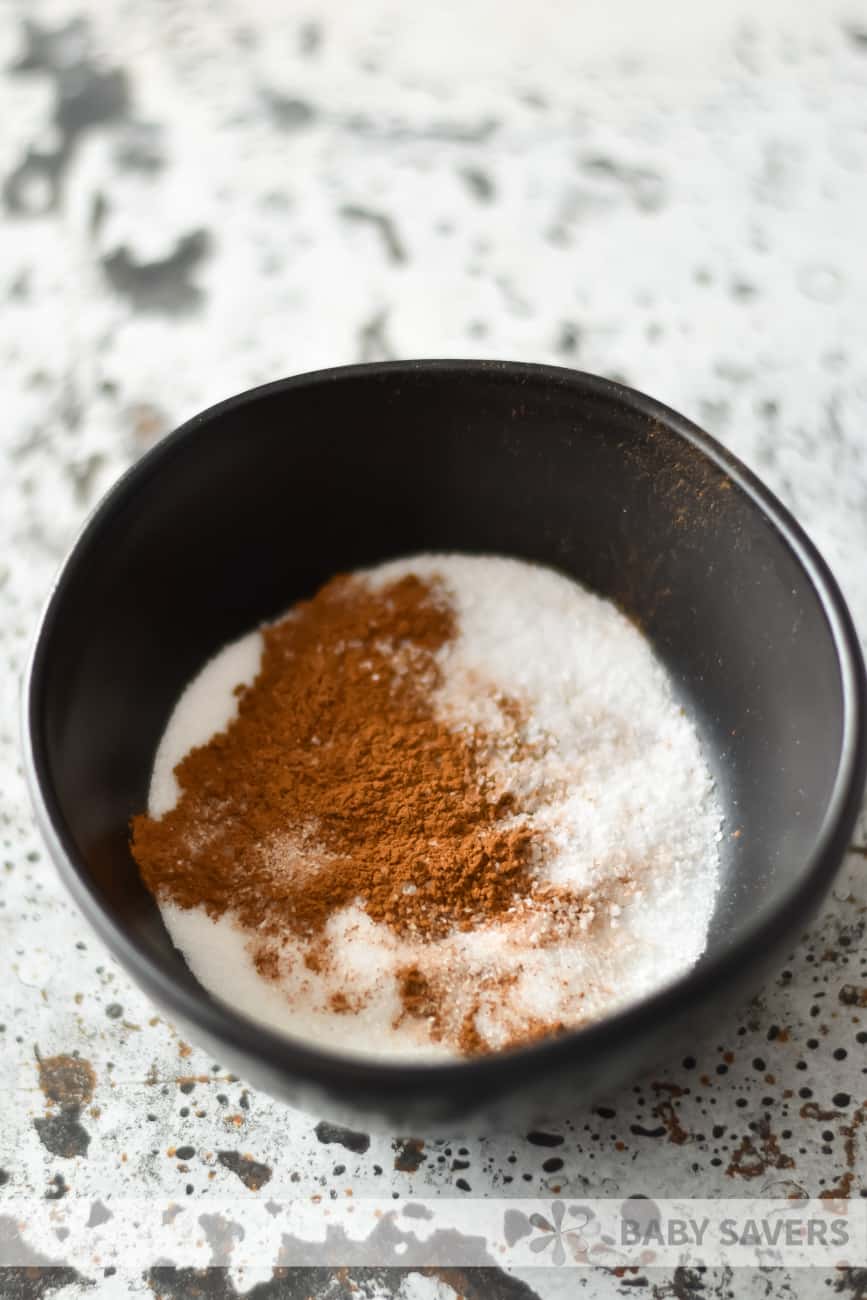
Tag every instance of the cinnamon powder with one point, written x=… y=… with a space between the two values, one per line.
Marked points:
x=337 y=784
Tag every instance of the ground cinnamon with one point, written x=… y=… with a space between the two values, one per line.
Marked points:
x=336 y=783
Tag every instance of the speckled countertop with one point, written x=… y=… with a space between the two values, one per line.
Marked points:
x=200 y=196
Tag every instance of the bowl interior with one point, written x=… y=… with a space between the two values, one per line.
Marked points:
x=254 y=505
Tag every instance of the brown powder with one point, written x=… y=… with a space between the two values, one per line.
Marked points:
x=428 y=997
x=424 y=998
x=470 y=1041
x=336 y=783
x=420 y=999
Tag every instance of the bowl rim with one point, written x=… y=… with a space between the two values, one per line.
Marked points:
x=499 y=1071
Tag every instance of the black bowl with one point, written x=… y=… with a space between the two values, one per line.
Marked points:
x=255 y=503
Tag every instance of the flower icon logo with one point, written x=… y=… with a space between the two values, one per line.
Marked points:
x=555 y=1233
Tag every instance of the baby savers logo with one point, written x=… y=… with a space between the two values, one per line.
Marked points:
x=564 y=1232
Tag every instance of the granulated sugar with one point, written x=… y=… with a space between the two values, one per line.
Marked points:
x=578 y=726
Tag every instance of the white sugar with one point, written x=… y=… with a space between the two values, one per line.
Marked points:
x=218 y=954
x=609 y=772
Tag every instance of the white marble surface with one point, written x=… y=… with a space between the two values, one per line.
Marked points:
x=200 y=196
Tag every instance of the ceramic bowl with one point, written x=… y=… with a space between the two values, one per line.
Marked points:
x=256 y=502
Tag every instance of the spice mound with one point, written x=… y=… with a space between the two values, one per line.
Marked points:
x=448 y=806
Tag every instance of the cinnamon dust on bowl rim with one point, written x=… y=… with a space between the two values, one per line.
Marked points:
x=442 y=815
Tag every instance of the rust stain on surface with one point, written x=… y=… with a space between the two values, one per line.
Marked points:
x=754 y=1158
x=252 y=1173
x=667 y=1113
x=812 y=1110
x=849 y=1133
x=409 y=1154
x=66 y=1080
x=67 y=1083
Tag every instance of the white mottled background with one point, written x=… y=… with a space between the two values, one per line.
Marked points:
x=198 y=196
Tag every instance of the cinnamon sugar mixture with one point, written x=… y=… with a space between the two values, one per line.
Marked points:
x=383 y=822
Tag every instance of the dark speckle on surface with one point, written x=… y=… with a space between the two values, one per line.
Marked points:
x=479 y=183
x=288 y=112
x=568 y=339
x=48 y=49
x=373 y=341
x=34 y=1275
x=162 y=285
x=345 y=1137
x=310 y=36
x=138 y=147
x=222 y=1235
x=252 y=1173
x=458 y=133
x=63 y=1134
x=364 y=1282
x=413 y=1211
x=641 y=1130
x=57 y=1189
x=167 y=1283
x=32 y=188
x=98 y=1215
x=408 y=1154
x=538 y=1138
x=67 y=1083
x=99 y=209
x=646 y=187
x=382 y=223
x=86 y=96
